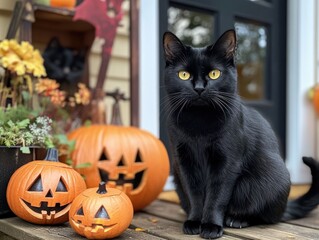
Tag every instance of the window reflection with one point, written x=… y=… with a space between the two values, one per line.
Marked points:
x=192 y=27
x=251 y=59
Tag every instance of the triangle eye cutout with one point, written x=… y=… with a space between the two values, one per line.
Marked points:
x=138 y=157
x=104 y=156
x=36 y=186
x=49 y=194
x=80 y=212
x=102 y=213
x=121 y=162
x=61 y=186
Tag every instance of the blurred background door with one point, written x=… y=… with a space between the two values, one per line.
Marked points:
x=261 y=55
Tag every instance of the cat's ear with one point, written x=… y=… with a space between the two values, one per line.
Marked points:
x=172 y=46
x=225 y=46
x=54 y=43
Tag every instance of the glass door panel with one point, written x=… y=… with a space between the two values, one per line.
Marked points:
x=194 y=28
x=251 y=60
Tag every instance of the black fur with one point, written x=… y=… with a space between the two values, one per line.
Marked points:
x=63 y=64
x=226 y=162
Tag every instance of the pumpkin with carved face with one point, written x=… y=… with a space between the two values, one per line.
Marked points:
x=127 y=158
x=100 y=213
x=42 y=190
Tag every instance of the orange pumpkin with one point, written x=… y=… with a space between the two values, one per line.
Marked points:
x=41 y=191
x=127 y=158
x=98 y=213
x=63 y=3
x=314 y=92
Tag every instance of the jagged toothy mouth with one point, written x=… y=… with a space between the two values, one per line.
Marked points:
x=120 y=181
x=94 y=228
x=44 y=209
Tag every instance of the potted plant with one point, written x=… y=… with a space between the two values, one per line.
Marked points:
x=34 y=113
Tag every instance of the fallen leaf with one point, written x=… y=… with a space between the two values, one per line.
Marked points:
x=140 y=230
x=152 y=220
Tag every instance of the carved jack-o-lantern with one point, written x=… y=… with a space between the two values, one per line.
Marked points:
x=41 y=191
x=98 y=213
x=127 y=158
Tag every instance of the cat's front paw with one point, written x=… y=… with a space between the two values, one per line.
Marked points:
x=236 y=223
x=211 y=231
x=191 y=227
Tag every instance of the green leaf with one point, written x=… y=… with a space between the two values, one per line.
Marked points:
x=48 y=143
x=24 y=123
x=69 y=162
x=83 y=165
x=25 y=150
x=62 y=138
x=10 y=123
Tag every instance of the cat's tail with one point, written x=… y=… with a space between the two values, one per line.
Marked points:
x=301 y=206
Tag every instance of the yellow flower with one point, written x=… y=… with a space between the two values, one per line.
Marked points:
x=21 y=58
x=83 y=95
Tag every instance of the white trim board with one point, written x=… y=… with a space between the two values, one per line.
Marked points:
x=149 y=67
x=301 y=67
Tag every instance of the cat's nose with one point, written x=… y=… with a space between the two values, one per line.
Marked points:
x=199 y=90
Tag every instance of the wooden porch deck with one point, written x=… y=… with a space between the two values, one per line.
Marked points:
x=163 y=220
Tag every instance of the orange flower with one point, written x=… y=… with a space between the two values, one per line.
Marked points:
x=83 y=95
x=58 y=98
x=46 y=86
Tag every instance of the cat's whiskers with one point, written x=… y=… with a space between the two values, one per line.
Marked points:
x=232 y=102
x=174 y=104
x=215 y=101
x=226 y=102
x=225 y=106
x=167 y=101
x=180 y=110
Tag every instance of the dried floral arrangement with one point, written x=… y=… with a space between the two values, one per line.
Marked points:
x=33 y=110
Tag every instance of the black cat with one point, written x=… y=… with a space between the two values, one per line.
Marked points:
x=226 y=162
x=63 y=64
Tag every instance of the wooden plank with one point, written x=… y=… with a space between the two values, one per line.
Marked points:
x=5 y=237
x=15 y=228
x=166 y=210
x=173 y=212
x=281 y=231
x=165 y=228
x=311 y=221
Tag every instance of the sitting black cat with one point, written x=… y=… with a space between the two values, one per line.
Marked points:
x=226 y=162
x=63 y=64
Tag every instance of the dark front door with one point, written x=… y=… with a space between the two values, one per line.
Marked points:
x=261 y=54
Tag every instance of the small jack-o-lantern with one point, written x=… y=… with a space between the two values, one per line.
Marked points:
x=41 y=191
x=98 y=213
x=127 y=158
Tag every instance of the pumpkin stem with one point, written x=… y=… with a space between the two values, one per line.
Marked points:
x=52 y=155
x=102 y=188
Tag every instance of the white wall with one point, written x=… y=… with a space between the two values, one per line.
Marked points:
x=149 y=66
x=301 y=68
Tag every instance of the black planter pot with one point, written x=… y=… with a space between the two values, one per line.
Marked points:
x=10 y=160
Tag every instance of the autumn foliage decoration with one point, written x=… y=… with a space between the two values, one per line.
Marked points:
x=100 y=213
x=41 y=191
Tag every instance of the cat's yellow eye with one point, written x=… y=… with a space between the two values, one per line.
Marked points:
x=214 y=74
x=184 y=75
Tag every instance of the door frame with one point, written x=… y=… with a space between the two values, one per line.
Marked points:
x=300 y=121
